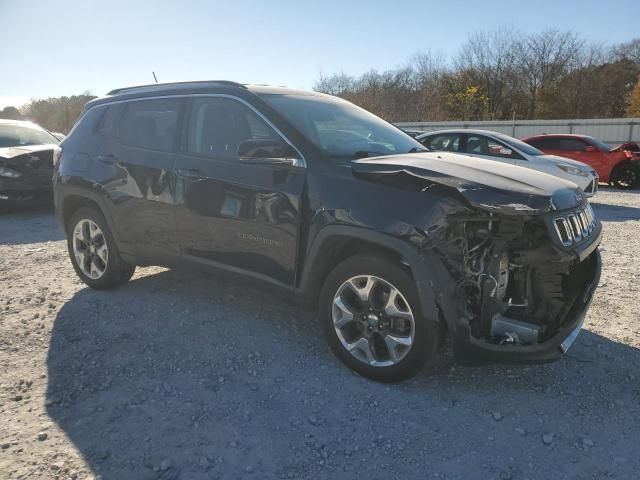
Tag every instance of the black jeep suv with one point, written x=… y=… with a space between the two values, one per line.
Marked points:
x=394 y=245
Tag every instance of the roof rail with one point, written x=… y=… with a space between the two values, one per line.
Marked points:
x=152 y=86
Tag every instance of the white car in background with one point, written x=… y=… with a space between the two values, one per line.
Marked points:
x=484 y=144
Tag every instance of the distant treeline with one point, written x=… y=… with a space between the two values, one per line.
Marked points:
x=501 y=75
x=56 y=114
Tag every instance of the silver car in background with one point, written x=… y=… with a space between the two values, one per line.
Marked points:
x=484 y=144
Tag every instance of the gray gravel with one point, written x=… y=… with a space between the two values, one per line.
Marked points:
x=184 y=375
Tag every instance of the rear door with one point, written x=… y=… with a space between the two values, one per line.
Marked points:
x=134 y=169
x=234 y=212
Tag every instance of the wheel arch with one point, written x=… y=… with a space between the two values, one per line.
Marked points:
x=74 y=200
x=336 y=243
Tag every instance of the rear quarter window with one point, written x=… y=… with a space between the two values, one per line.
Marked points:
x=109 y=122
x=84 y=137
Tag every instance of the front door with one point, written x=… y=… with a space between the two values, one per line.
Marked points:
x=576 y=149
x=481 y=146
x=232 y=211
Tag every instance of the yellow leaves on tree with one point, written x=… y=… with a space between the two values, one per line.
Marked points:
x=633 y=108
x=469 y=103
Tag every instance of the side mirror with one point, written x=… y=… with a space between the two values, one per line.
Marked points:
x=590 y=148
x=505 y=152
x=267 y=151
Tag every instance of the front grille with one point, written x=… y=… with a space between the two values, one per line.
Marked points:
x=575 y=226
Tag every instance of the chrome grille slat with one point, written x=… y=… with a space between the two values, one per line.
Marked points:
x=575 y=226
x=576 y=230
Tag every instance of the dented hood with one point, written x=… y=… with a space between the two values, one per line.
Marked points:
x=11 y=152
x=486 y=184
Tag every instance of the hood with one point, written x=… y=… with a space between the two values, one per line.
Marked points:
x=630 y=146
x=485 y=184
x=34 y=162
x=10 y=152
x=557 y=159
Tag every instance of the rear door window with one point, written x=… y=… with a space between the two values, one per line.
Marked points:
x=545 y=143
x=151 y=124
x=570 y=144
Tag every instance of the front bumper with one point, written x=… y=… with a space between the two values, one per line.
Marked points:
x=19 y=191
x=592 y=187
x=468 y=349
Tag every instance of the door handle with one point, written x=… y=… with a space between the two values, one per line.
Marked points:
x=108 y=159
x=191 y=174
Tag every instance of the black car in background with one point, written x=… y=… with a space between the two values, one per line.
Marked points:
x=26 y=163
x=306 y=192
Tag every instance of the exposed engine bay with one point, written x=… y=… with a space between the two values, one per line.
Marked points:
x=513 y=285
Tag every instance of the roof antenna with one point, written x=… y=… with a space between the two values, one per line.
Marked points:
x=154 y=76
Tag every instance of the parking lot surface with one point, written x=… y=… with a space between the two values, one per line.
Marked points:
x=194 y=376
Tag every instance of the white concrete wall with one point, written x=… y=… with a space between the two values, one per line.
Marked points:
x=611 y=130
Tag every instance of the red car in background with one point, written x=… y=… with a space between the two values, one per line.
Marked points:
x=619 y=166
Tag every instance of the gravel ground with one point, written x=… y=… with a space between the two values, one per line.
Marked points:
x=185 y=375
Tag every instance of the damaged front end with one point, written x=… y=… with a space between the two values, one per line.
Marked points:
x=522 y=282
x=514 y=267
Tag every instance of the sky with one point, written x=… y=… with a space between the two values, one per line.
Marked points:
x=65 y=47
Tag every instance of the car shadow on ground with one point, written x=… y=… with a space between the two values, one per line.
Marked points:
x=29 y=225
x=615 y=213
x=184 y=375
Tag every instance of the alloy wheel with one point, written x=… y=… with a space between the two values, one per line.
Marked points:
x=627 y=178
x=373 y=320
x=90 y=249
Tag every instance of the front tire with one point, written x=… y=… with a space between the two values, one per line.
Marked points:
x=93 y=251
x=625 y=177
x=371 y=317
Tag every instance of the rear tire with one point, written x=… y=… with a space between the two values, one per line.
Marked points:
x=625 y=177
x=389 y=323
x=93 y=251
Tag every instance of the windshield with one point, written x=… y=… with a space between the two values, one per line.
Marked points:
x=340 y=128
x=519 y=145
x=600 y=144
x=18 y=135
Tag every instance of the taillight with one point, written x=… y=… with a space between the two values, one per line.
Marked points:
x=57 y=153
x=628 y=154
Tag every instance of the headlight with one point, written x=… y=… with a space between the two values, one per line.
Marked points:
x=7 y=172
x=570 y=169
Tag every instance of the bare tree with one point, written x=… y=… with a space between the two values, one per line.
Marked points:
x=543 y=59
x=429 y=71
x=500 y=74
x=487 y=61
x=629 y=50
x=57 y=114
x=10 y=113
x=338 y=84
